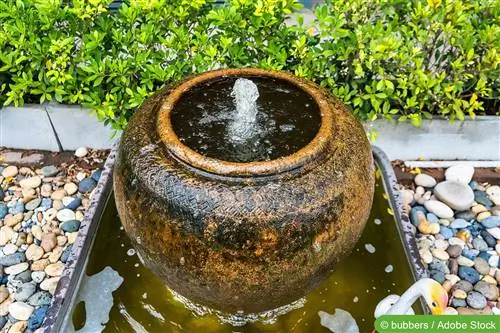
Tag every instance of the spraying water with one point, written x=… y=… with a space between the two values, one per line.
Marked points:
x=244 y=125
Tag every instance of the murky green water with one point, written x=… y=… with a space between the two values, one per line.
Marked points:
x=144 y=304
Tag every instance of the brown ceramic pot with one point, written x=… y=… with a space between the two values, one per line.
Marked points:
x=243 y=236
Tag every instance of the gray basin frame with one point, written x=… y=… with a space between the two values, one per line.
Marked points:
x=62 y=304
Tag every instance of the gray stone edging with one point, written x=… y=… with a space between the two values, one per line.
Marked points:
x=51 y=127
x=438 y=139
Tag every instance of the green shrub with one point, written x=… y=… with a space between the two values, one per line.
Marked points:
x=382 y=57
x=412 y=58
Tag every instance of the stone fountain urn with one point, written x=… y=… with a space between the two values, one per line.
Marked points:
x=241 y=188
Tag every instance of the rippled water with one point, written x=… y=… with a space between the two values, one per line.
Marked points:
x=144 y=304
x=251 y=121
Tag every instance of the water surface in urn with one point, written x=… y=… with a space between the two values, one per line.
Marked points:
x=287 y=119
x=144 y=304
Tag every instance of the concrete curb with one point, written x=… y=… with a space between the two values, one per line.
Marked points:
x=65 y=127
x=52 y=127
x=438 y=139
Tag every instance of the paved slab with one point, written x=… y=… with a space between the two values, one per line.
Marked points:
x=77 y=127
x=26 y=127
x=438 y=139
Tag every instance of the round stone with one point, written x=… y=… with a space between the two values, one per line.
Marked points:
x=36 y=319
x=70 y=188
x=438 y=276
x=16 y=269
x=33 y=204
x=65 y=215
x=463 y=285
x=20 y=310
x=482 y=216
x=424 y=180
x=479 y=244
x=459 y=173
x=54 y=269
x=37 y=276
x=10 y=171
x=49 y=171
x=481 y=266
x=34 y=252
x=440 y=254
x=454 y=251
x=70 y=226
x=87 y=185
x=450 y=311
x=494 y=194
x=9 y=249
x=49 y=241
x=459 y=224
x=40 y=298
x=439 y=208
x=458 y=303
x=81 y=152
x=476 y=300
x=467 y=215
x=25 y=291
x=463 y=261
x=488 y=290
x=468 y=274
x=58 y=194
x=491 y=222
x=71 y=203
x=428 y=228
x=446 y=232
x=456 y=241
x=458 y=293
x=478 y=209
x=456 y=195
x=32 y=182
x=440 y=243
x=50 y=284
x=489 y=239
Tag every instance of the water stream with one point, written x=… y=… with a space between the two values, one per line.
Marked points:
x=244 y=123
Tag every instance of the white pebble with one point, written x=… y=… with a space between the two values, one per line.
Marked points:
x=460 y=173
x=377 y=221
x=20 y=310
x=355 y=299
x=440 y=209
x=81 y=152
x=130 y=252
x=9 y=249
x=16 y=269
x=424 y=180
x=370 y=248
x=388 y=269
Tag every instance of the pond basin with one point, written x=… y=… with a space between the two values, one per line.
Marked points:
x=144 y=304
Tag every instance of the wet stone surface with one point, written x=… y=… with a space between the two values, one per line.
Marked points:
x=460 y=247
x=40 y=214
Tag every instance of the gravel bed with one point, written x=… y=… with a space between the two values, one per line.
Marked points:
x=457 y=227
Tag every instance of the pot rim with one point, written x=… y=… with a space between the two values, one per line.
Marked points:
x=304 y=155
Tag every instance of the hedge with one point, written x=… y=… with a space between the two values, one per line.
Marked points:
x=385 y=58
